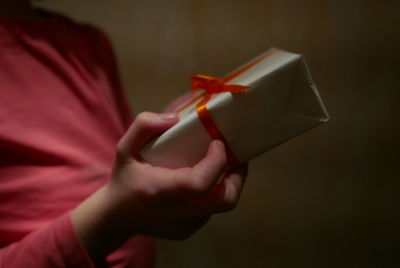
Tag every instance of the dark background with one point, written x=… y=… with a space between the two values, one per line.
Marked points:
x=328 y=198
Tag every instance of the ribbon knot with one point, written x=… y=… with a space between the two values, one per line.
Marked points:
x=213 y=85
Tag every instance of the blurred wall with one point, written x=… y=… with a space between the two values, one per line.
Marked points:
x=328 y=198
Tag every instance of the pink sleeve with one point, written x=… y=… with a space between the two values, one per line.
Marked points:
x=56 y=245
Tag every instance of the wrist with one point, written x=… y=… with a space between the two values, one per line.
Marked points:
x=98 y=224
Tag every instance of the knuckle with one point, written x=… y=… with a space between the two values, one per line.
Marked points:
x=120 y=150
x=147 y=193
x=143 y=119
x=200 y=185
x=185 y=179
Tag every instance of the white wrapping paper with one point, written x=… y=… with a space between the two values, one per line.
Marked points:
x=282 y=102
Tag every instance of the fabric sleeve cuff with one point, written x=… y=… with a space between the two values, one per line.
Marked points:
x=69 y=244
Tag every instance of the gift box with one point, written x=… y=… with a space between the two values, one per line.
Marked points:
x=258 y=106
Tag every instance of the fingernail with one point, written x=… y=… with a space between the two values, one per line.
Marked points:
x=169 y=116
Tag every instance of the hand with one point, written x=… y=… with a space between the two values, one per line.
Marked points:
x=149 y=200
x=159 y=201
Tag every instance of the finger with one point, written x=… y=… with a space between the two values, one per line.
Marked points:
x=193 y=183
x=206 y=173
x=145 y=127
x=225 y=196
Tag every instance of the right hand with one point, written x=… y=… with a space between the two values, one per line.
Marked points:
x=169 y=203
x=149 y=200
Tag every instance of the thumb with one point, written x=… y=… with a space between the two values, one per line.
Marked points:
x=145 y=127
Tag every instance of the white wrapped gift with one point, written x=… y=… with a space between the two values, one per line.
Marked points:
x=282 y=102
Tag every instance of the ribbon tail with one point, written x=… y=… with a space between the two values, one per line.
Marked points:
x=214 y=132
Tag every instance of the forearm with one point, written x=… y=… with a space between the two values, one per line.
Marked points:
x=97 y=224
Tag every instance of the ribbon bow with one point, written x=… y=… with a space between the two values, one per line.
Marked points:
x=214 y=85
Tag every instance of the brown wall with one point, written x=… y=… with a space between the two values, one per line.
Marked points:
x=328 y=198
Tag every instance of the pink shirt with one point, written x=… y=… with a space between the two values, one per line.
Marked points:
x=62 y=112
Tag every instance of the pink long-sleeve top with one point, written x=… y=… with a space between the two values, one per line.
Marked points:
x=62 y=112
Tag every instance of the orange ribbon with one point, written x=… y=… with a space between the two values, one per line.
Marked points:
x=214 y=85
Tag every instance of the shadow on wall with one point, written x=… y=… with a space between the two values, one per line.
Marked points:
x=325 y=199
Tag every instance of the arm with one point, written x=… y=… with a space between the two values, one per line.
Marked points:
x=148 y=200
x=56 y=245
x=140 y=199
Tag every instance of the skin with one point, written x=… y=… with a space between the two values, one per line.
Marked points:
x=142 y=199
x=148 y=200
